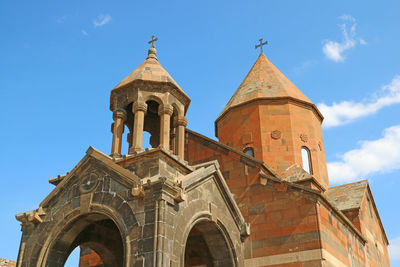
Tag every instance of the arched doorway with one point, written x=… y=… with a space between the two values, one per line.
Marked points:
x=96 y=232
x=208 y=246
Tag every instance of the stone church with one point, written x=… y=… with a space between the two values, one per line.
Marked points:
x=259 y=196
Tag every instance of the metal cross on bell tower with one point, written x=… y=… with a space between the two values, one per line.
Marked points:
x=152 y=40
x=260 y=45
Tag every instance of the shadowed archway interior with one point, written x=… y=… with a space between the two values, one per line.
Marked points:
x=206 y=246
x=95 y=232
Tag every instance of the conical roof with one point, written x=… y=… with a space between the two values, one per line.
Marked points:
x=264 y=80
x=150 y=70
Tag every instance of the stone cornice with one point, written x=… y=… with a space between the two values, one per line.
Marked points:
x=155 y=152
x=144 y=85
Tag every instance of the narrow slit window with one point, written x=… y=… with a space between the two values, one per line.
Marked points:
x=306 y=158
x=249 y=151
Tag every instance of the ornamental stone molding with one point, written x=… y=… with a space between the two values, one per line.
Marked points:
x=119 y=113
x=180 y=121
x=139 y=106
x=304 y=137
x=276 y=134
x=165 y=109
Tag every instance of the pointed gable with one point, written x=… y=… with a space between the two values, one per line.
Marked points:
x=347 y=196
x=350 y=197
x=123 y=176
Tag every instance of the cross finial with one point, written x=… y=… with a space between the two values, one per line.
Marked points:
x=153 y=40
x=261 y=45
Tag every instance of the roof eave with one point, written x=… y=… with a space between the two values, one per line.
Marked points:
x=312 y=105
x=173 y=85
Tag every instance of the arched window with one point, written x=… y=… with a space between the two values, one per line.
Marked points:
x=306 y=159
x=249 y=151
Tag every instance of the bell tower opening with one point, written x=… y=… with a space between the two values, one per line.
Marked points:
x=152 y=123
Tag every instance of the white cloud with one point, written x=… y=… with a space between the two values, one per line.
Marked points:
x=335 y=50
x=304 y=66
x=347 y=111
x=377 y=156
x=394 y=248
x=84 y=32
x=61 y=19
x=101 y=20
x=347 y=17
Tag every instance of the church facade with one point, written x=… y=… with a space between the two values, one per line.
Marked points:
x=260 y=196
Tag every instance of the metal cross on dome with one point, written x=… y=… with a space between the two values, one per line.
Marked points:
x=153 y=40
x=261 y=45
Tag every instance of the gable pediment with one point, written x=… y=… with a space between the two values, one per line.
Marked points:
x=207 y=172
x=94 y=172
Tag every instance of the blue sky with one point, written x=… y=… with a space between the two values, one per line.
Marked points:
x=60 y=59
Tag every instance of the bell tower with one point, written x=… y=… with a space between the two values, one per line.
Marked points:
x=269 y=118
x=149 y=100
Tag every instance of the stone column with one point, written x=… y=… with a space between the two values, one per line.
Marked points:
x=129 y=139
x=119 y=116
x=165 y=112
x=139 y=109
x=180 y=122
x=172 y=138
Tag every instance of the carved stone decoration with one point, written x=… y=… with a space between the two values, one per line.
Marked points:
x=89 y=183
x=276 y=134
x=304 y=137
x=264 y=178
x=138 y=191
x=245 y=230
x=180 y=195
x=31 y=217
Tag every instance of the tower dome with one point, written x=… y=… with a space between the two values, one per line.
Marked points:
x=149 y=100
x=269 y=118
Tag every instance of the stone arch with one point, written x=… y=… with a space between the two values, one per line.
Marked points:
x=179 y=110
x=96 y=230
x=124 y=103
x=104 y=206
x=207 y=242
x=152 y=97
